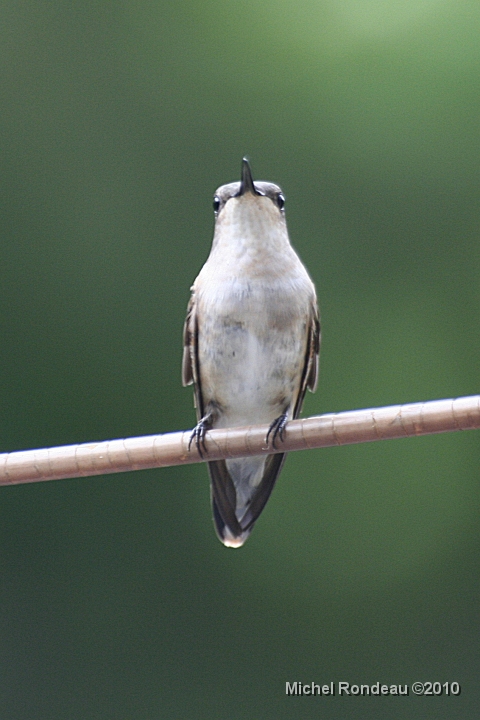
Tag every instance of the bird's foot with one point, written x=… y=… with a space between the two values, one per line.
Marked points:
x=277 y=429
x=199 y=432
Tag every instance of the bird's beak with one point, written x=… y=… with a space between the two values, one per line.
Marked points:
x=246 y=183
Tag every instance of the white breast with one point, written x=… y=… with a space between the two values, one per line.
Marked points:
x=252 y=344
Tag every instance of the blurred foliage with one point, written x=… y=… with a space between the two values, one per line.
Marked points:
x=119 y=119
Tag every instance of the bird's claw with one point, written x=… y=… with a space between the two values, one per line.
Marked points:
x=277 y=429
x=198 y=435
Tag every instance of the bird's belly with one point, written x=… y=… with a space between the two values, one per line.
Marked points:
x=250 y=364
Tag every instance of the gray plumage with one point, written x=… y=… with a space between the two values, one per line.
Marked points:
x=251 y=343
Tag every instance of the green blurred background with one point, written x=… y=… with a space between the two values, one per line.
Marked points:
x=118 y=121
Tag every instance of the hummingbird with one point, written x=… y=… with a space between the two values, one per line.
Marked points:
x=251 y=344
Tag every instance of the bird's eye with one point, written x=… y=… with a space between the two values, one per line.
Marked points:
x=281 y=201
x=216 y=204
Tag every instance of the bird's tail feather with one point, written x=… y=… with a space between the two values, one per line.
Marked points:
x=236 y=501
